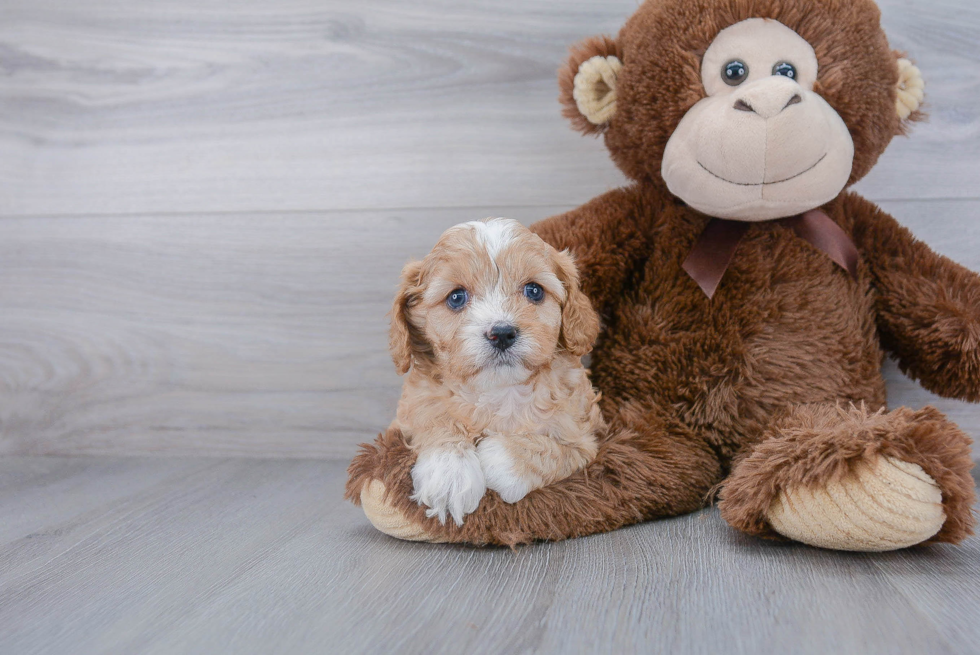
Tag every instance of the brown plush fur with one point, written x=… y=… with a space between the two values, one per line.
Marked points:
x=754 y=376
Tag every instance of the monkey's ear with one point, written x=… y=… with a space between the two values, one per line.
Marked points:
x=405 y=339
x=588 y=83
x=910 y=91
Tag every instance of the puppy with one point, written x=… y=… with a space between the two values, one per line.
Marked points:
x=491 y=327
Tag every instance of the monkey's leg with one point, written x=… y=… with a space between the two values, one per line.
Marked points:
x=847 y=479
x=645 y=468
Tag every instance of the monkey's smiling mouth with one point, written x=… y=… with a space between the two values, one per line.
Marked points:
x=791 y=177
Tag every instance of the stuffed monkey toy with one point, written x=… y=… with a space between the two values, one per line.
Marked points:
x=747 y=297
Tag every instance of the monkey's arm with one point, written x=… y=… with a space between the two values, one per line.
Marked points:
x=928 y=306
x=608 y=236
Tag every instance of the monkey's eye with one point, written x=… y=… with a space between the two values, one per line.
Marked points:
x=785 y=69
x=456 y=299
x=734 y=72
x=533 y=292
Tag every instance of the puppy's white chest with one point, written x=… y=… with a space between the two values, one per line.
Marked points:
x=509 y=409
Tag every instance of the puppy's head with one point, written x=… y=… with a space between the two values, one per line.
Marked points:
x=493 y=300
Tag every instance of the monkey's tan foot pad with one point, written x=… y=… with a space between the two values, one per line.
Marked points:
x=389 y=519
x=880 y=505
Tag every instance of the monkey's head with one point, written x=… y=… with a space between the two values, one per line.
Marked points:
x=745 y=109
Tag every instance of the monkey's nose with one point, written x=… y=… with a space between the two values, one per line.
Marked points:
x=502 y=336
x=770 y=97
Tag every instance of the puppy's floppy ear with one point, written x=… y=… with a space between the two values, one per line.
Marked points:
x=588 y=84
x=579 y=322
x=405 y=339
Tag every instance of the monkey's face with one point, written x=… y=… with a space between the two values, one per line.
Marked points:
x=762 y=144
x=750 y=110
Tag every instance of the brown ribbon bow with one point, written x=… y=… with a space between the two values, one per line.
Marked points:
x=716 y=246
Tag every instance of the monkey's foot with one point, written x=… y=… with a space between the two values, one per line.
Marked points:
x=885 y=505
x=388 y=518
x=849 y=479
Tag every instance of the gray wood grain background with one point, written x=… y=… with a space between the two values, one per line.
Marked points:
x=204 y=206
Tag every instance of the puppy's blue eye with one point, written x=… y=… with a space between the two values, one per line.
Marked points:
x=533 y=292
x=785 y=69
x=457 y=299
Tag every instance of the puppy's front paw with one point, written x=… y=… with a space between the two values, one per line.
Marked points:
x=500 y=471
x=448 y=480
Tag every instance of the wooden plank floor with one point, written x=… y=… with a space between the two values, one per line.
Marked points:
x=165 y=555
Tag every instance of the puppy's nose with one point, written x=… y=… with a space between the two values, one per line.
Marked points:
x=502 y=336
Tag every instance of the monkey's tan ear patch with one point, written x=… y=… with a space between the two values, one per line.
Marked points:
x=595 y=88
x=911 y=89
x=588 y=83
